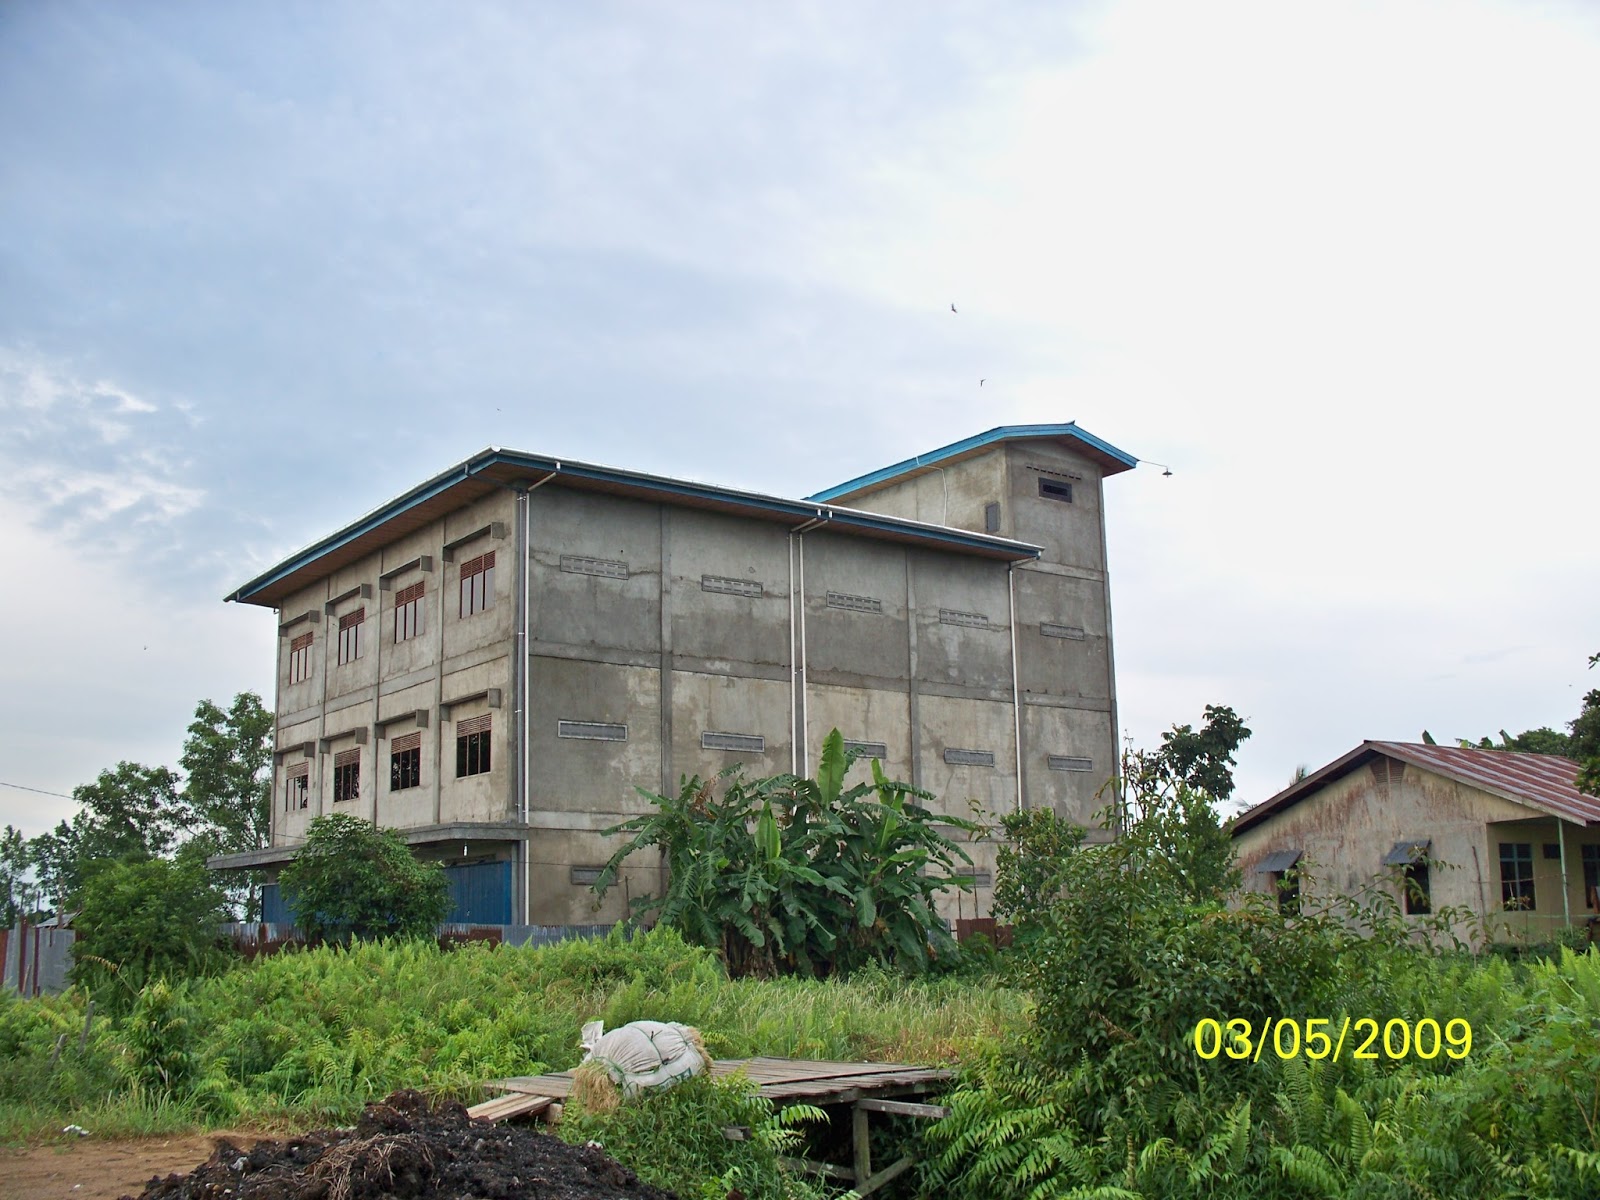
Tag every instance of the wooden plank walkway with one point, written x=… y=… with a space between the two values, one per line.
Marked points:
x=794 y=1079
x=866 y=1087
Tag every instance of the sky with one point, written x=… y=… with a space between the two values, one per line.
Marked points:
x=1336 y=264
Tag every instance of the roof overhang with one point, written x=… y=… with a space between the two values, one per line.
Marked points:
x=494 y=468
x=1107 y=457
x=449 y=833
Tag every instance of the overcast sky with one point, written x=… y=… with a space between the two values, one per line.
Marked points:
x=264 y=266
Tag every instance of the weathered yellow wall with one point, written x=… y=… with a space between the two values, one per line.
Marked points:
x=1347 y=827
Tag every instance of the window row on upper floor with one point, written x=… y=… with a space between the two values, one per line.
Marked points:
x=475 y=588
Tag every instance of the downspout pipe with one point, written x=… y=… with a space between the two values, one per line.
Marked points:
x=1016 y=683
x=519 y=673
x=803 y=742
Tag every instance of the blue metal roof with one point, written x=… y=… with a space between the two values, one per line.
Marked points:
x=1114 y=459
x=507 y=468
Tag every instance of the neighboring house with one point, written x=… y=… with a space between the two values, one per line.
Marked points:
x=1504 y=834
x=495 y=661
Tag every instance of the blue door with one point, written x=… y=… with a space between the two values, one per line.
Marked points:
x=480 y=894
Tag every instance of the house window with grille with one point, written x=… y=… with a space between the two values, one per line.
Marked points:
x=1591 y=877
x=477 y=584
x=405 y=762
x=300 y=659
x=472 y=746
x=350 y=635
x=1516 y=875
x=408 y=613
x=346 y=775
x=297 y=788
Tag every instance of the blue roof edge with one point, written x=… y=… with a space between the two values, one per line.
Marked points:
x=999 y=433
x=801 y=510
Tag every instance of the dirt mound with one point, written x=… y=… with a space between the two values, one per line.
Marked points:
x=404 y=1149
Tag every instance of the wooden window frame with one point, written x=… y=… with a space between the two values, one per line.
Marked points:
x=474 y=750
x=1517 y=887
x=350 y=635
x=405 y=763
x=477 y=584
x=408 y=613
x=297 y=785
x=300 y=658
x=347 y=776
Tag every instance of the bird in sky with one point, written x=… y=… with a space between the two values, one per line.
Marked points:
x=980 y=383
x=952 y=308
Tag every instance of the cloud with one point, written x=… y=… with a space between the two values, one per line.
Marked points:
x=92 y=462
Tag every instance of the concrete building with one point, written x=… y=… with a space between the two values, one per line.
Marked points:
x=1504 y=835
x=496 y=661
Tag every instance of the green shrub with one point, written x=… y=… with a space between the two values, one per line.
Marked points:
x=351 y=881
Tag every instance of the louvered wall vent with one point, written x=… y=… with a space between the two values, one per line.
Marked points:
x=982 y=879
x=730 y=587
x=583 y=876
x=879 y=750
x=846 y=601
x=592 y=731
x=1072 y=632
x=1070 y=762
x=972 y=620
x=745 y=743
x=606 y=568
x=969 y=758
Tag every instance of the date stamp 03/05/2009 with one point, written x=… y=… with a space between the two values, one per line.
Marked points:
x=1320 y=1038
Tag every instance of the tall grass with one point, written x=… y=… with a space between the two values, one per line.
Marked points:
x=310 y=1035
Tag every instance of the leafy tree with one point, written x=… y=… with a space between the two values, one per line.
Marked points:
x=228 y=756
x=1200 y=759
x=145 y=920
x=351 y=881
x=128 y=813
x=789 y=874
x=15 y=891
x=1030 y=867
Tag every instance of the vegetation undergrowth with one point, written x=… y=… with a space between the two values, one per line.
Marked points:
x=310 y=1035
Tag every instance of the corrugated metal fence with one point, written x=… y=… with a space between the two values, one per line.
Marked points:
x=37 y=958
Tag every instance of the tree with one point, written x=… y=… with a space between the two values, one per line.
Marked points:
x=144 y=920
x=129 y=813
x=351 y=881
x=15 y=891
x=788 y=874
x=1200 y=759
x=228 y=756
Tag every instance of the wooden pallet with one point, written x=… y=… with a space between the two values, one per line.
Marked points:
x=866 y=1087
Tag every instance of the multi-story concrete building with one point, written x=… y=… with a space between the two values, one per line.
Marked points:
x=495 y=662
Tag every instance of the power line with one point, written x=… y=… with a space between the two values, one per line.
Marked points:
x=24 y=788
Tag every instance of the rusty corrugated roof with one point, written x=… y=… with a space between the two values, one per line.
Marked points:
x=1546 y=782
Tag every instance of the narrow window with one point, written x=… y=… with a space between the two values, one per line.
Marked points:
x=472 y=746
x=991 y=517
x=1591 y=877
x=300 y=659
x=405 y=762
x=1415 y=879
x=297 y=788
x=1287 y=886
x=408 y=613
x=477 y=584
x=1055 y=489
x=346 y=775
x=350 y=635
x=1516 y=875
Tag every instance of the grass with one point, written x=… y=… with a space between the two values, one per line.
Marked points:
x=307 y=1037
